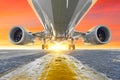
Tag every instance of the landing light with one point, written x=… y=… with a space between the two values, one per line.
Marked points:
x=58 y=46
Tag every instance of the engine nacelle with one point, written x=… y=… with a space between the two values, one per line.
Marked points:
x=18 y=35
x=97 y=35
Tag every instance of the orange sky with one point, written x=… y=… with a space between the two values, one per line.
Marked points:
x=19 y=12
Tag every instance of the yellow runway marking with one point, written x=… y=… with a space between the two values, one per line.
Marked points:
x=58 y=69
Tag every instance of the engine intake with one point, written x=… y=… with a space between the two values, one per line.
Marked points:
x=97 y=35
x=18 y=35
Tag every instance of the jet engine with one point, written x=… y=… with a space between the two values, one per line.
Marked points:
x=97 y=35
x=18 y=35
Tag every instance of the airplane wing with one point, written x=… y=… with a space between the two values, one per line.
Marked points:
x=40 y=35
x=77 y=34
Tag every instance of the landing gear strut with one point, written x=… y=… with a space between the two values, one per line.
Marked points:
x=44 y=45
x=72 y=45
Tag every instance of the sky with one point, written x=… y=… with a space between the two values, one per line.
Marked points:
x=19 y=12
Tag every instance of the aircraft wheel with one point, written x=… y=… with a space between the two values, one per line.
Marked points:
x=44 y=46
x=72 y=47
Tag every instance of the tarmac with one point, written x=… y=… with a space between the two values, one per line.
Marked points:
x=55 y=67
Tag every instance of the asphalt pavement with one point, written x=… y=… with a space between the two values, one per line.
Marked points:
x=103 y=61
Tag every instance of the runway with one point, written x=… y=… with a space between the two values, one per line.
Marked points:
x=12 y=59
x=73 y=65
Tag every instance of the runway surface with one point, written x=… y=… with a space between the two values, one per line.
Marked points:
x=104 y=61
x=11 y=59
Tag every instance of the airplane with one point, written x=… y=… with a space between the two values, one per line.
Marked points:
x=59 y=19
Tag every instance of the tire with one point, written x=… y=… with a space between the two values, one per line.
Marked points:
x=72 y=47
x=43 y=46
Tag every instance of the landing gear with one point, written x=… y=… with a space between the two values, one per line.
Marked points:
x=44 y=45
x=72 y=45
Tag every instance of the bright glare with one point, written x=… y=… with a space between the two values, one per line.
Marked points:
x=58 y=46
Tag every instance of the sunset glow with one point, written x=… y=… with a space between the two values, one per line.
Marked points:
x=19 y=12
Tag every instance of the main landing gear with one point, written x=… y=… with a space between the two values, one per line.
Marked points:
x=44 y=45
x=72 y=45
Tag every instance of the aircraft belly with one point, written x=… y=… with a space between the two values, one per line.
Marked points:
x=60 y=16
